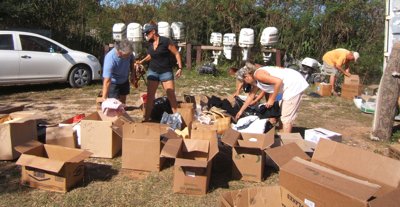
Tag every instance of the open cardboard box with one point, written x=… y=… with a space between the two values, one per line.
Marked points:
x=142 y=146
x=192 y=170
x=248 y=153
x=51 y=167
x=102 y=135
x=269 y=196
x=15 y=129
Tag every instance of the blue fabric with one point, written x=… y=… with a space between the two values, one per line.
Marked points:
x=117 y=68
x=155 y=76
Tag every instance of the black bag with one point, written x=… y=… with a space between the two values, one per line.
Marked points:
x=208 y=68
x=161 y=105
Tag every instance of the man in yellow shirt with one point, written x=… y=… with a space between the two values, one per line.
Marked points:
x=338 y=60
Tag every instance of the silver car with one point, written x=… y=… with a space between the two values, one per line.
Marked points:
x=27 y=58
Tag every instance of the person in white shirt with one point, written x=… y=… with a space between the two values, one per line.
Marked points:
x=273 y=80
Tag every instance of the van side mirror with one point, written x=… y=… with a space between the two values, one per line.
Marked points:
x=64 y=51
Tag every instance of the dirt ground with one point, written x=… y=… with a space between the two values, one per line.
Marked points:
x=106 y=184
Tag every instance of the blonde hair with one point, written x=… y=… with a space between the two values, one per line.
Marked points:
x=248 y=69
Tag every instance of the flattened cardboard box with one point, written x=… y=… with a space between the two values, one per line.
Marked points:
x=142 y=148
x=16 y=129
x=359 y=163
x=193 y=165
x=252 y=197
x=102 y=135
x=316 y=185
x=248 y=153
x=51 y=167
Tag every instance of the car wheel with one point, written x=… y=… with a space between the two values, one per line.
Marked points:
x=80 y=76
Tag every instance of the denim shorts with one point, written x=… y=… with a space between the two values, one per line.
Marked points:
x=155 y=76
x=117 y=90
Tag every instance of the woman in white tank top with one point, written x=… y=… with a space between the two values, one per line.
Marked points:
x=274 y=80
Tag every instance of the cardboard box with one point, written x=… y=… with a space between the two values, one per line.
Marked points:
x=252 y=197
x=51 y=167
x=353 y=79
x=349 y=91
x=102 y=135
x=186 y=110
x=314 y=135
x=16 y=129
x=316 y=185
x=324 y=89
x=248 y=153
x=62 y=136
x=359 y=163
x=192 y=170
x=202 y=131
x=143 y=149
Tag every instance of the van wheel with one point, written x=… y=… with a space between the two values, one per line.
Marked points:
x=80 y=76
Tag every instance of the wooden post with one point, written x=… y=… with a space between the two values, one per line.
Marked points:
x=386 y=101
x=198 y=55
x=189 y=56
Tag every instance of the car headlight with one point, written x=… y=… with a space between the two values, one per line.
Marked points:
x=92 y=58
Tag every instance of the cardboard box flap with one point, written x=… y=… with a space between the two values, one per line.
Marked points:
x=196 y=145
x=171 y=148
x=359 y=163
x=171 y=135
x=266 y=196
x=40 y=163
x=269 y=196
x=283 y=154
x=191 y=163
x=82 y=156
x=391 y=199
x=287 y=138
x=26 y=116
x=27 y=146
x=213 y=149
x=260 y=141
x=358 y=189
x=230 y=137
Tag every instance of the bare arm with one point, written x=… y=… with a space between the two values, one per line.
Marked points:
x=258 y=98
x=239 y=85
x=265 y=77
x=174 y=51
x=339 y=67
x=249 y=99
x=106 y=87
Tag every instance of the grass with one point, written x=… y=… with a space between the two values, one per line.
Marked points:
x=105 y=184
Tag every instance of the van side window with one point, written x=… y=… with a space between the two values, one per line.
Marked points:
x=32 y=43
x=6 y=42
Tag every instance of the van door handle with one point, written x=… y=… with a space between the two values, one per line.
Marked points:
x=26 y=57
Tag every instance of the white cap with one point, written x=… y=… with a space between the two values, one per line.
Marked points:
x=356 y=55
